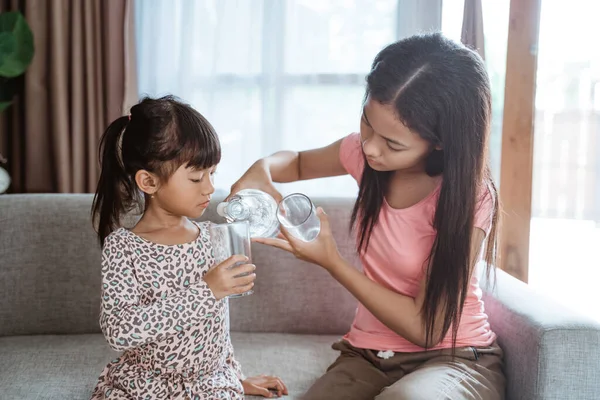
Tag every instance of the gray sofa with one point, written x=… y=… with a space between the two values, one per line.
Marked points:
x=51 y=346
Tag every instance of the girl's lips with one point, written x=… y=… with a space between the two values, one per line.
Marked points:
x=373 y=162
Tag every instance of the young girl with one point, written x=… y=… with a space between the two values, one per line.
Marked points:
x=426 y=207
x=163 y=301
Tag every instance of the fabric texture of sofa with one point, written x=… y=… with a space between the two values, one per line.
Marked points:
x=51 y=346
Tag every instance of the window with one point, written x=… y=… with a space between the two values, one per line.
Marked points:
x=272 y=74
x=565 y=226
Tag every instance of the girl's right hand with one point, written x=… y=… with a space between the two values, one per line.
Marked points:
x=256 y=177
x=223 y=280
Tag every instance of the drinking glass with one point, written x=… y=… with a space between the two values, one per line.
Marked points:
x=229 y=240
x=298 y=215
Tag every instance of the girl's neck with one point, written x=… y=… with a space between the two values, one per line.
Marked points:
x=413 y=175
x=409 y=188
x=156 y=218
x=163 y=228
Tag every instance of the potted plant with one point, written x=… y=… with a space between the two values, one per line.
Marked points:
x=16 y=53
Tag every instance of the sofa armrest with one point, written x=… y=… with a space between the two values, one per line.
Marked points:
x=550 y=352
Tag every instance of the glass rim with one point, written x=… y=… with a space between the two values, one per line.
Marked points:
x=227 y=226
x=311 y=211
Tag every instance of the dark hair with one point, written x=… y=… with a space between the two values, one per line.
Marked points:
x=440 y=90
x=159 y=136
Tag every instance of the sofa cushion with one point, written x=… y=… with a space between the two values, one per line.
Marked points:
x=50 y=268
x=551 y=352
x=67 y=366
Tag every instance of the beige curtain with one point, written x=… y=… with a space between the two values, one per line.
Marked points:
x=472 y=27
x=82 y=77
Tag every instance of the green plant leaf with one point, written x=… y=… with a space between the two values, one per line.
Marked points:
x=4 y=105
x=8 y=45
x=16 y=44
x=8 y=88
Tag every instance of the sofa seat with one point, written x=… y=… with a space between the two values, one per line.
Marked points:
x=42 y=367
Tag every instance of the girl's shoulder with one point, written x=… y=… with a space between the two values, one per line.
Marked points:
x=116 y=238
x=485 y=206
x=202 y=224
x=117 y=246
x=203 y=227
x=351 y=155
x=204 y=235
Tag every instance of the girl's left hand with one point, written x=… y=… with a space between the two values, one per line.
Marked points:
x=263 y=385
x=322 y=250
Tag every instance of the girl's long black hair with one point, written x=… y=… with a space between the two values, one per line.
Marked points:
x=440 y=90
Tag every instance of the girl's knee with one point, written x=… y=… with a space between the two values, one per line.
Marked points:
x=405 y=391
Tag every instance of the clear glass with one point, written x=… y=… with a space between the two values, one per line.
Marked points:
x=298 y=215
x=231 y=239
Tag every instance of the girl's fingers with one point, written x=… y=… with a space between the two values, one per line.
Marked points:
x=323 y=218
x=274 y=382
x=245 y=280
x=284 y=388
x=243 y=269
x=243 y=289
x=231 y=261
x=293 y=241
x=280 y=387
x=272 y=386
x=279 y=243
x=284 y=233
x=264 y=392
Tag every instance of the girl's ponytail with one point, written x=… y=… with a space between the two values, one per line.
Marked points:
x=113 y=193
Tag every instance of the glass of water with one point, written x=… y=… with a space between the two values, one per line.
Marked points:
x=298 y=215
x=231 y=239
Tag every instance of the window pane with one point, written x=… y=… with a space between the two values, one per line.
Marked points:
x=226 y=33
x=191 y=39
x=336 y=36
x=315 y=116
x=565 y=229
x=495 y=26
x=452 y=18
x=235 y=114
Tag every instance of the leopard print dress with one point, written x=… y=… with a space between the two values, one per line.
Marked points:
x=173 y=332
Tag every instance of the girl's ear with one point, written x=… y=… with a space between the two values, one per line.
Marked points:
x=146 y=181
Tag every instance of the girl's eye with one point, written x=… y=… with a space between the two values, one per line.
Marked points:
x=195 y=180
x=393 y=149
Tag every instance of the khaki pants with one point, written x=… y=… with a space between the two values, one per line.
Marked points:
x=358 y=374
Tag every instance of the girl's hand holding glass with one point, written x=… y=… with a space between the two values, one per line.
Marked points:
x=226 y=279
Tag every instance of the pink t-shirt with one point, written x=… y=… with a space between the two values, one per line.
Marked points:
x=399 y=246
